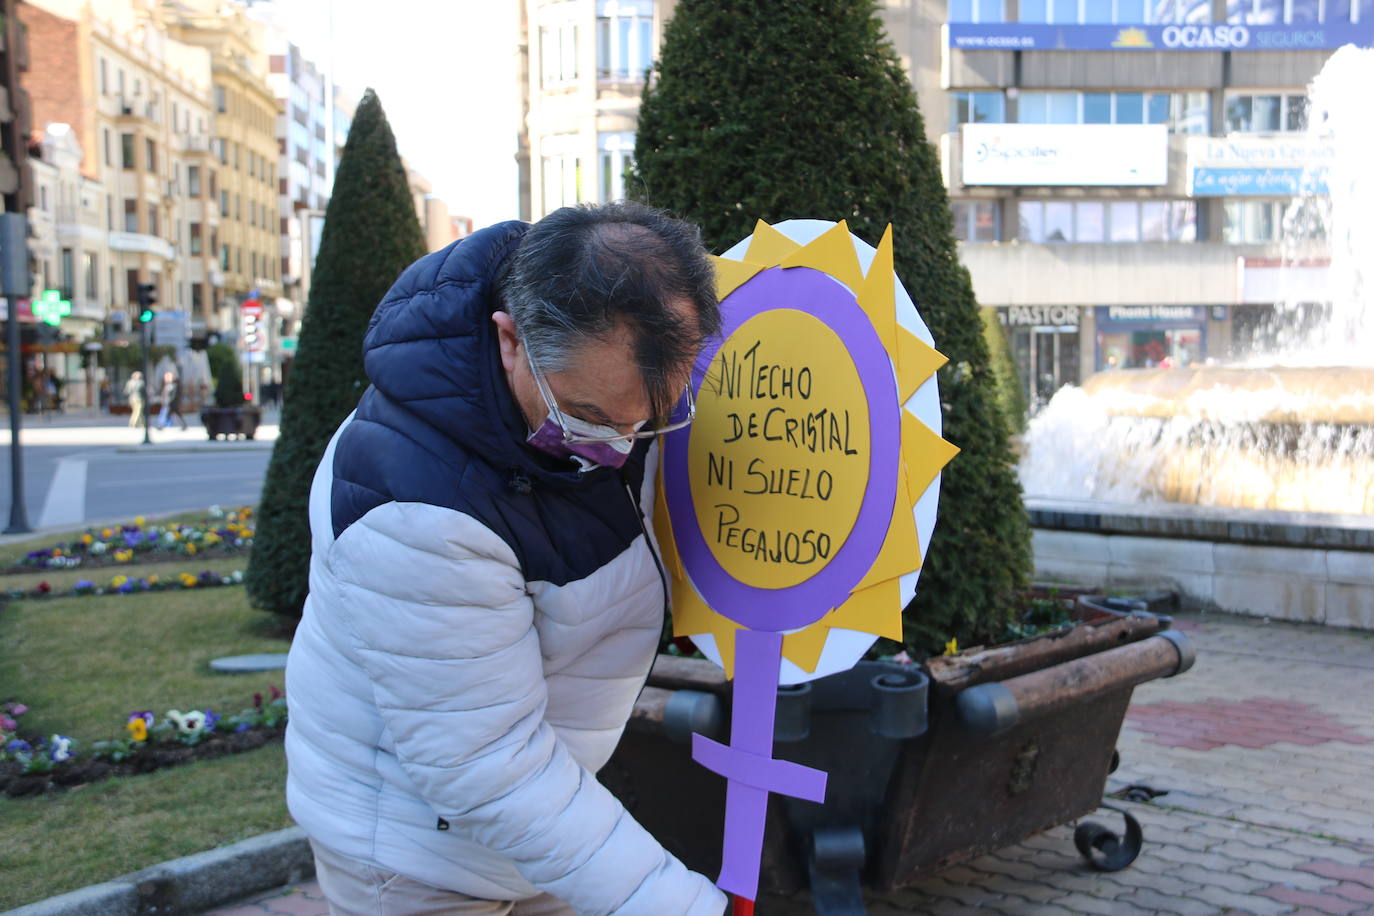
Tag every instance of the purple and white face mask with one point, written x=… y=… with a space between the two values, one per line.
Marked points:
x=610 y=449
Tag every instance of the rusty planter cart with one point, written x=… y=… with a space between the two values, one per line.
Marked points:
x=929 y=767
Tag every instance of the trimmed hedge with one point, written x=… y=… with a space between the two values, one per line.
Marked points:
x=776 y=111
x=371 y=234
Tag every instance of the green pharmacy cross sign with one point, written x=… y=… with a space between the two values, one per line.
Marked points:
x=51 y=307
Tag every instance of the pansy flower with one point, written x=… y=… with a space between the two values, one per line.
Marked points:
x=18 y=746
x=187 y=723
x=59 y=748
x=211 y=719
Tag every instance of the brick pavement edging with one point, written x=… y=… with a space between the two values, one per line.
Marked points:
x=192 y=884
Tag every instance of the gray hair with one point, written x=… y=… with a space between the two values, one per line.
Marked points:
x=582 y=272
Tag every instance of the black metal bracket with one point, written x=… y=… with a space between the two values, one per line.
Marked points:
x=837 y=857
x=1104 y=850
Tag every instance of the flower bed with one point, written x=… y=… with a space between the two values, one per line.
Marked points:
x=222 y=532
x=127 y=585
x=32 y=764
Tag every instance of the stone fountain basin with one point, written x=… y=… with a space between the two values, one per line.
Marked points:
x=1279 y=395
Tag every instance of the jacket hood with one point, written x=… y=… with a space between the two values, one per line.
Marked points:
x=431 y=349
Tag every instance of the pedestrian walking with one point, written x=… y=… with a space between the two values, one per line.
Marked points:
x=171 y=401
x=134 y=389
x=451 y=693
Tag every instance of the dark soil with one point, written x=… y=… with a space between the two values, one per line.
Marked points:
x=87 y=770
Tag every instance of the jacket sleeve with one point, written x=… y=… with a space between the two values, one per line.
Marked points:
x=437 y=606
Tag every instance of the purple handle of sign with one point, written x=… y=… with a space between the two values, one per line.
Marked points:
x=748 y=762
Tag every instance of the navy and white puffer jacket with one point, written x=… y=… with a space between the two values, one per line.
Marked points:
x=481 y=619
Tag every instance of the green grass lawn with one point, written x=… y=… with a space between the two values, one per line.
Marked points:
x=82 y=664
x=58 y=843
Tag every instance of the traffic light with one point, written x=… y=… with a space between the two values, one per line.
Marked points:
x=147 y=298
x=251 y=330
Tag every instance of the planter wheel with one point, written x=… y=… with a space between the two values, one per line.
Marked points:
x=1103 y=849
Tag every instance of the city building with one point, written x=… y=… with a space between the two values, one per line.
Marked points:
x=583 y=63
x=1120 y=172
x=436 y=225
x=245 y=146
x=135 y=105
x=68 y=244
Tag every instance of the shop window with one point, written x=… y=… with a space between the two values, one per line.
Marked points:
x=976 y=220
x=1298 y=12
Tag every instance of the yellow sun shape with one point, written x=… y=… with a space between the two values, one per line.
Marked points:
x=874 y=603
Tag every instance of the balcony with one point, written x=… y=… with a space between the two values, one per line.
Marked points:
x=137 y=242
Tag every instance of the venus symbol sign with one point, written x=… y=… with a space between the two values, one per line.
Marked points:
x=795 y=511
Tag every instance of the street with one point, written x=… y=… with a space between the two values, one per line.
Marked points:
x=86 y=469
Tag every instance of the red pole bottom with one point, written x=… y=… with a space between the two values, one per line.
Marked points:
x=743 y=907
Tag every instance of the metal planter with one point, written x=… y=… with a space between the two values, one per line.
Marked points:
x=1020 y=739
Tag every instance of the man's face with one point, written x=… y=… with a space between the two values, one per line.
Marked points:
x=602 y=384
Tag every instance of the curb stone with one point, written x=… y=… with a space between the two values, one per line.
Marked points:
x=191 y=884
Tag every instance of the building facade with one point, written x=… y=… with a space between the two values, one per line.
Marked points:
x=245 y=147
x=1120 y=172
x=584 y=63
x=135 y=104
x=1126 y=177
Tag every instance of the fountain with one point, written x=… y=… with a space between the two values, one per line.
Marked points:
x=1208 y=448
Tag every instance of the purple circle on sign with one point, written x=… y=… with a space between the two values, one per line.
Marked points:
x=821 y=296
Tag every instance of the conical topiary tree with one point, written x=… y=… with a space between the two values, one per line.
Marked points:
x=371 y=234
x=776 y=111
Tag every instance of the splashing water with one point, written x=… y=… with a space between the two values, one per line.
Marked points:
x=1263 y=437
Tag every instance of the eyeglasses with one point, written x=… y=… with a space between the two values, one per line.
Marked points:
x=572 y=437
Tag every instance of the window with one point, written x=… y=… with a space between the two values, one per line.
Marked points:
x=126 y=150
x=253 y=263
x=119 y=82
x=238 y=260
x=193 y=180
x=176 y=119
x=43 y=197
x=221 y=105
x=624 y=39
x=89 y=267
x=252 y=164
x=975 y=220
x=224 y=257
x=558 y=53
x=1117 y=221
x=616 y=155
x=104 y=78
x=561 y=172
x=1272 y=113
x=150 y=150
x=68 y=274
x=224 y=204
x=1252 y=221
x=195 y=239
x=131 y=282
x=236 y=155
x=212 y=184
x=105 y=145
x=977 y=11
x=1182 y=112
x=1104 y=12
x=976 y=108
x=109 y=213
x=130 y=215
x=1291 y=12
x=152 y=219
x=238 y=206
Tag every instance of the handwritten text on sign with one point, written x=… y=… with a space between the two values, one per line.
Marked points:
x=779 y=453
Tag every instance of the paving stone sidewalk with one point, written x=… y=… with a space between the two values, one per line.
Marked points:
x=1265 y=752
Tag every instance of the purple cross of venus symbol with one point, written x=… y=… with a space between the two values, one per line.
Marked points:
x=747 y=763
